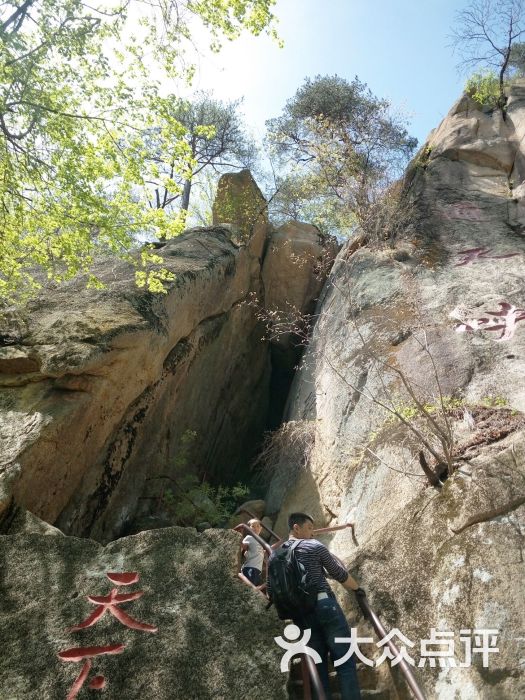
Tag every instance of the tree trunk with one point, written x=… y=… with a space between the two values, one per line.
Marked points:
x=186 y=195
x=502 y=99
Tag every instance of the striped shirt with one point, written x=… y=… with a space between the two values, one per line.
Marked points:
x=317 y=560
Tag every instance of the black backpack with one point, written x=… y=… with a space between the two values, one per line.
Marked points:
x=291 y=590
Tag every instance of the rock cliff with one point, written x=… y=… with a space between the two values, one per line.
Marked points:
x=437 y=318
x=214 y=638
x=416 y=359
x=97 y=392
x=99 y=388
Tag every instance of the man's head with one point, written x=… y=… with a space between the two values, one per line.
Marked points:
x=255 y=525
x=301 y=525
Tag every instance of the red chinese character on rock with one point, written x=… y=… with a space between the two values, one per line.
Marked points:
x=464 y=210
x=105 y=603
x=504 y=320
x=109 y=603
x=473 y=254
x=77 y=654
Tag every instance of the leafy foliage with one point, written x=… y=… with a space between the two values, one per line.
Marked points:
x=486 y=32
x=194 y=502
x=78 y=104
x=484 y=88
x=304 y=196
x=341 y=139
x=190 y=500
x=517 y=59
x=211 y=136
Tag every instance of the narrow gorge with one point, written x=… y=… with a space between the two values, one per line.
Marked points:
x=415 y=359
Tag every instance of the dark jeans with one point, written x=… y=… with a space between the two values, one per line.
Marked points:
x=327 y=621
x=253 y=575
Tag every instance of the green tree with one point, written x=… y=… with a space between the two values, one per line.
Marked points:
x=77 y=102
x=212 y=136
x=340 y=139
x=201 y=210
x=304 y=196
x=517 y=59
x=486 y=32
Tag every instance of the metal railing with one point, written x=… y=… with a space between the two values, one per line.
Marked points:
x=382 y=633
x=309 y=670
x=319 y=531
x=311 y=678
x=265 y=527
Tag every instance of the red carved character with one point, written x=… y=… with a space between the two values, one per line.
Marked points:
x=77 y=654
x=109 y=603
x=105 y=603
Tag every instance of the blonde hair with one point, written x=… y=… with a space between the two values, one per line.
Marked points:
x=254 y=521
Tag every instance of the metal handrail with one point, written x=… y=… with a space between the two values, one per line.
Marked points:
x=308 y=663
x=382 y=633
x=252 y=515
x=257 y=537
x=320 y=530
x=362 y=602
x=247 y=581
x=306 y=659
x=339 y=527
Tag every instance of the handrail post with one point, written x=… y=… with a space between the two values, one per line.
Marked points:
x=305 y=673
x=314 y=676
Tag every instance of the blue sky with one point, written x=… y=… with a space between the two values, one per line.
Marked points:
x=398 y=48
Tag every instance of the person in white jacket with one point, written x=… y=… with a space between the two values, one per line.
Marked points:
x=253 y=554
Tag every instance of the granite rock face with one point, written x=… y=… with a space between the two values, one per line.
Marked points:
x=297 y=256
x=214 y=638
x=240 y=203
x=294 y=270
x=98 y=388
x=445 y=312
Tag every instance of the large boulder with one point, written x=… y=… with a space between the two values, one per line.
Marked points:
x=296 y=265
x=440 y=314
x=98 y=388
x=214 y=639
x=240 y=203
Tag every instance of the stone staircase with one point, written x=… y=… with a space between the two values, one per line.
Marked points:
x=372 y=682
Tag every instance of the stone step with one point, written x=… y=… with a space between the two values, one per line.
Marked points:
x=368 y=695
x=367 y=676
x=295 y=690
x=376 y=694
x=368 y=682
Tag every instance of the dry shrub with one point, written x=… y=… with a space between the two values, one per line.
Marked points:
x=386 y=216
x=286 y=451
